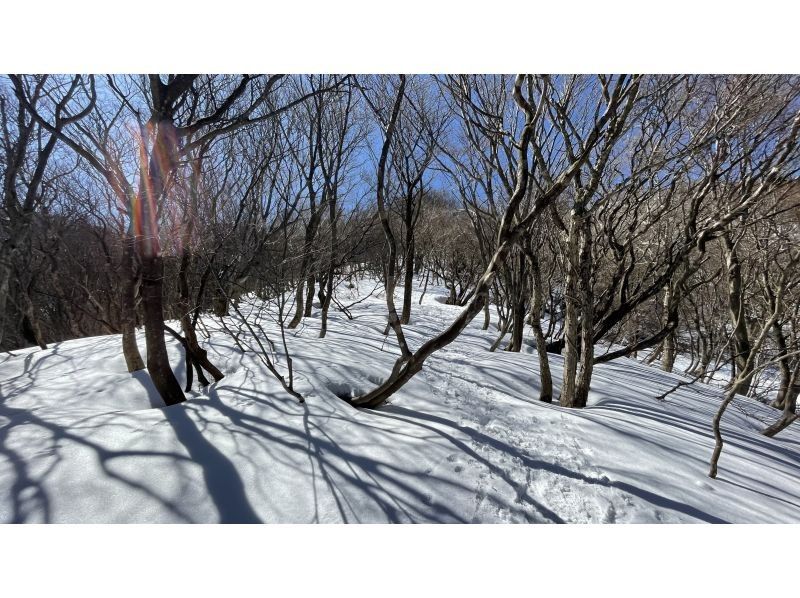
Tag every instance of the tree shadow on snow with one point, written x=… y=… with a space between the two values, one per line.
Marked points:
x=348 y=475
x=225 y=486
x=29 y=497
x=406 y=415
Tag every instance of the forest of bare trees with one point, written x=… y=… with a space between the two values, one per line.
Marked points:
x=610 y=216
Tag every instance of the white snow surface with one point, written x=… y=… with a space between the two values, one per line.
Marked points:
x=82 y=440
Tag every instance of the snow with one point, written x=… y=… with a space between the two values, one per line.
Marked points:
x=82 y=440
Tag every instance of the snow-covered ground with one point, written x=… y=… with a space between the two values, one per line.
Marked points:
x=82 y=440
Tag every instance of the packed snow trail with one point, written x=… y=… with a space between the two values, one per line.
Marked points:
x=82 y=440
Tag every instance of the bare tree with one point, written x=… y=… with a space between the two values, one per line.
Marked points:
x=612 y=108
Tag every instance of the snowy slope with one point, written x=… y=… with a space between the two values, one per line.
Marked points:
x=81 y=440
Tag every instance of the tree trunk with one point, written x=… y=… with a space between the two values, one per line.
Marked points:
x=545 y=378
x=504 y=326
x=405 y=316
x=587 y=316
x=668 y=354
x=655 y=354
x=789 y=407
x=741 y=337
x=568 y=398
x=7 y=258
x=323 y=330
x=157 y=359
x=298 y=305
x=786 y=372
x=705 y=359
x=716 y=428
x=310 y=287
x=302 y=309
x=390 y=264
x=425 y=287
x=322 y=282
x=20 y=243
x=518 y=312
x=789 y=401
x=130 y=348
x=194 y=351
x=777 y=301
x=30 y=313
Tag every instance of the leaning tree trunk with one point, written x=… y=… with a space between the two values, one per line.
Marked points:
x=408 y=365
x=503 y=326
x=789 y=405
